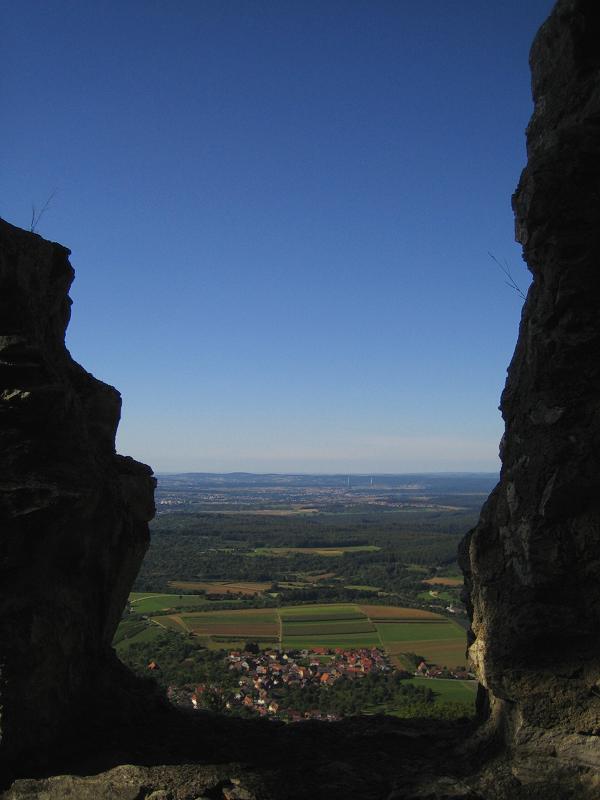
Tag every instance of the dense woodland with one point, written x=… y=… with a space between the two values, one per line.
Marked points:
x=199 y=546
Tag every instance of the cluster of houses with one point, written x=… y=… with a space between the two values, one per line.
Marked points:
x=261 y=675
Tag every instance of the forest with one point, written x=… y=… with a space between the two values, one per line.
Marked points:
x=397 y=551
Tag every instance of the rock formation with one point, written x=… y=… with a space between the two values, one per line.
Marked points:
x=533 y=562
x=73 y=514
x=73 y=532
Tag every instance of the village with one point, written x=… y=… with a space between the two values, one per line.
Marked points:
x=264 y=676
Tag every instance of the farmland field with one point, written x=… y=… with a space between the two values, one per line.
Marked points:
x=147 y=634
x=222 y=587
x=443 y=643
x=440 y=581
x=316 y=551
x=171 y=622
x=393 y=613
x=252 y=623
x=226 y=628
x=330 y=625
x=310 y=613
x=450 y=691
x=145 y=603
x=346 y=641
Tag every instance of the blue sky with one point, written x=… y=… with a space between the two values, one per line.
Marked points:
x=280 y=215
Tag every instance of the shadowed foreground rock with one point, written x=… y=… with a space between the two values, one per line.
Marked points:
x=533 y=561
x=73 y=533
x=73 y=515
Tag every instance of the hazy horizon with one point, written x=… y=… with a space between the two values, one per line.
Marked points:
x=329 y=474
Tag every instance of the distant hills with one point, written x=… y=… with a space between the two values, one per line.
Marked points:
x=409 y=483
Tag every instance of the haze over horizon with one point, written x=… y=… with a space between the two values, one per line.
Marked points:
x=280 y=216
x=327 y=474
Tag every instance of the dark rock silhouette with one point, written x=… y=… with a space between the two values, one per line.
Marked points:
x=533 y=561
x=74 y=530
x=73 y=513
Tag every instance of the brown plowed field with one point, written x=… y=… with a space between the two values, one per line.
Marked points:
x=221 y=587
x=444 y=581
x=391 y=613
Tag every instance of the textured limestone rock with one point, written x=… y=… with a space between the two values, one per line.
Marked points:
x=73 y=514
x=533 y=562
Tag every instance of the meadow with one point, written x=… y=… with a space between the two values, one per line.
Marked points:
x=449 y=691
x=146 y=603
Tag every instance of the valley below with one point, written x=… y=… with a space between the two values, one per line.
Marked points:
x=299 y=597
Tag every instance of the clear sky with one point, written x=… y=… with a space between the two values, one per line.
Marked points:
x=280 y=215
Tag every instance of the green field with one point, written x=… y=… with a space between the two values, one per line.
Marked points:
x=392 y=632
x=148 y=634
x=346 y=642
x=146 y=603
x=171 y=623
x=457 y=697
x=323 y=628
x=326 y=611
x=441 y=643
x=450 y=691
x=396 y=630
x=128 y=629
x=331 y=626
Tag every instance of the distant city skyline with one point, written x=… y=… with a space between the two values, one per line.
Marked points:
x=280 y=216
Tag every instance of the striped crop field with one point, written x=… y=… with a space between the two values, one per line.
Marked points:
x=330 y=626
x=309 y=613
x=222 y=587
x=396 y=630
x=251 y=623
x=442 y=643
x=226 y=625
x=397 y=614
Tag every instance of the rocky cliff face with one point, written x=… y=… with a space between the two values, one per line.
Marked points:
x=73 y=514
x=533 y=561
